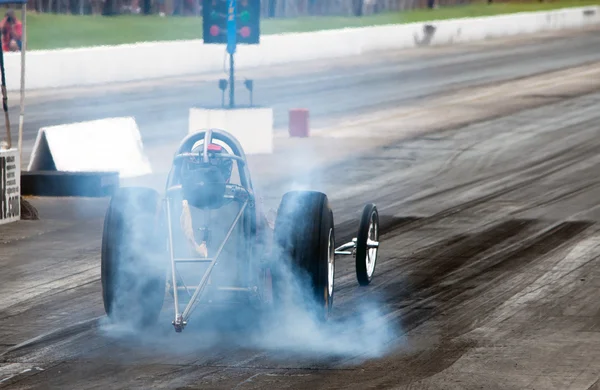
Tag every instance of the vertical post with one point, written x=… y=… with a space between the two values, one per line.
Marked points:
x=231 y=46
x=172 y=255
x=231 y=82
x=23 y=50
x=3 y=200
x=5 y=98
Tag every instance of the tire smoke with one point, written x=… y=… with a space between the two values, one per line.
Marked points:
x=230 y=321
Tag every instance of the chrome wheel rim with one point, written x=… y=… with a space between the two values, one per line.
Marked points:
x=330 y=263
x=372 y=236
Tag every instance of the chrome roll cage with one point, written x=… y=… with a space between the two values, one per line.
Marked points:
x=243 y=193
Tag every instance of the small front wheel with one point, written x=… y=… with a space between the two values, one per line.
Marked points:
x=367 y=244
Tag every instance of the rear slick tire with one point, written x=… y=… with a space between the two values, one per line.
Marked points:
x=305 y=240
x=133 y=261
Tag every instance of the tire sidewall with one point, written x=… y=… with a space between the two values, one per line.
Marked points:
x=327 y=234
x=125 y=290
x=303 y=227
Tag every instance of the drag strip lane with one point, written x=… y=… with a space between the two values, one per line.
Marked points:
x=452 y=278
x=487 y=276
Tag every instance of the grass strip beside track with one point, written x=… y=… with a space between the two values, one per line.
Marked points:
x=50 y=31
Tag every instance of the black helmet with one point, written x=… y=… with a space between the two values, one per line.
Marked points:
x=204 y=184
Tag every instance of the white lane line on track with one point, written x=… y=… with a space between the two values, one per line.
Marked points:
x=247 y=380
x=55 y=333
x=30 y=368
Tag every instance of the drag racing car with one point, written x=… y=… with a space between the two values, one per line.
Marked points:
x=209 y=241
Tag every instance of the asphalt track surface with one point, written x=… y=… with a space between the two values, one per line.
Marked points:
x=486 y=277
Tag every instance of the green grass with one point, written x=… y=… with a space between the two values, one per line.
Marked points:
x=47 y=31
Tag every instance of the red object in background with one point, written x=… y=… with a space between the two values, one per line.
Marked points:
x=214 y=30
x=245 y=32
x=17 y=28
x=298 y=126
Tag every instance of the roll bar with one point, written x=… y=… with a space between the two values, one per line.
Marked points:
x=207 y=136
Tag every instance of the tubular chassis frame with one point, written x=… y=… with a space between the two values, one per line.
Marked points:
x=243 y=193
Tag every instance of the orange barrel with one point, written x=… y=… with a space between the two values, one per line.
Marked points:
x=298 y=126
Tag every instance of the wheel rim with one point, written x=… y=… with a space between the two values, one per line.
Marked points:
x=373 y=235
x=330 y=263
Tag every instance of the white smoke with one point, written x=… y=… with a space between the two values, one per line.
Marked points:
x=292 y=327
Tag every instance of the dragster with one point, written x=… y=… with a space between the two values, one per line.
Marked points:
x=147 y=239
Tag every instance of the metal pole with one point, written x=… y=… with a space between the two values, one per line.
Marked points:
x=231 y=82
x=207 y=140
x=172 y=255
x=5 y=97
x=23 y=50
x=231 y=46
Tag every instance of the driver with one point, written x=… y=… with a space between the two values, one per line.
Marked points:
x=203 y=186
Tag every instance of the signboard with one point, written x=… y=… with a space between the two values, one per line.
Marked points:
x=10 y=186
x=220 y=28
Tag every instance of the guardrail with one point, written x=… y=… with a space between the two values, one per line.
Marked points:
x=123 y=63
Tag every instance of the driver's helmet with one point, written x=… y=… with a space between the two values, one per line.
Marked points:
x=204 y=184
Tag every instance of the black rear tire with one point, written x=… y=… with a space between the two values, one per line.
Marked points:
x=366 y=258
x=304 y=238
x=133 y=261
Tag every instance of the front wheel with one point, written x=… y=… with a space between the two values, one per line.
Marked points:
x=367 y=238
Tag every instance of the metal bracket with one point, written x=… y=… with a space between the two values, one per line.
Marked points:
x=344 y=249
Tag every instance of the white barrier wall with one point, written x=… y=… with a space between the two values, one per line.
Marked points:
x=10 y=186
x=106 y=64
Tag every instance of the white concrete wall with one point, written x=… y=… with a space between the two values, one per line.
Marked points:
x=106 y=64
